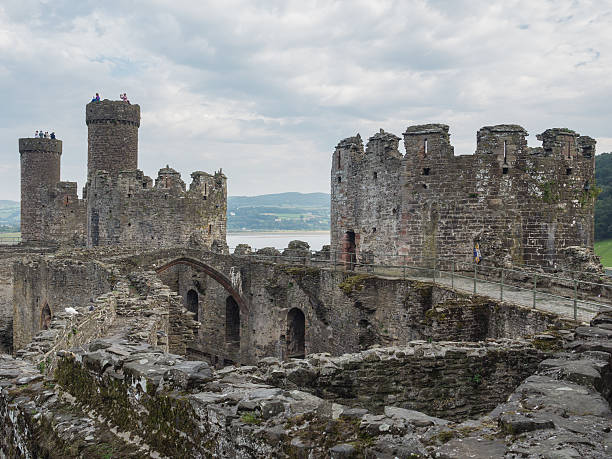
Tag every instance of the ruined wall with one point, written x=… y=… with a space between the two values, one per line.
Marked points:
x=343 y=312
x=445 y=380
x=522 y=205
x=54 y=282
x=125 y=209
x=51 y=211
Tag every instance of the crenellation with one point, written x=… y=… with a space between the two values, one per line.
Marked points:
x=120 y=205
x=519 y=204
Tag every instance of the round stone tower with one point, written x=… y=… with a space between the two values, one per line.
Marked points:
x=40 y=167
x=112 y=136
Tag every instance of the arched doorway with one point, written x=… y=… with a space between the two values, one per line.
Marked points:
x=296 y=332
x=232 y=322
x=192 y=302
x=45 y=318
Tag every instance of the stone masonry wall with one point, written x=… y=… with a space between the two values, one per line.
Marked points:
x=344 y=312
x=126 y=210
x=446 y=380
x=56 y=282
x=521 y=205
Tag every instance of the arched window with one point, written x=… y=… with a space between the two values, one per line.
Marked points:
x=296 y=332
x=232 y=321
x=45 y=317
x=191 y=303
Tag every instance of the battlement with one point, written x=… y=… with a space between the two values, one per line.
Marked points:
x=518 y=203
x=112 y=111
x=559 y=142
x=125 y=209
x=35 y=144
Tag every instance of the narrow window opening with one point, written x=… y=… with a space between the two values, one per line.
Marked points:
x=394 y=211
x=191 y=303
x=505 y=152
x=296 y=334
x=505 y=170
x=232 y=322
x=339 y=164
x=373 y=230
x=425 y=147
x=144 y=184
x=339 y=179
x=209 y=229
x=568 y=171
x=569 y=151
x=426 y=170
x=375 y=175
x=424 y=186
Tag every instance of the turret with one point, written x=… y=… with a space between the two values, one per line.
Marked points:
x=40 y=168
x=112 y=136
x=428 y=141
x=559 y=142
x=170 y=179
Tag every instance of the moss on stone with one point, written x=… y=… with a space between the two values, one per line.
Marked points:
x=354 y=283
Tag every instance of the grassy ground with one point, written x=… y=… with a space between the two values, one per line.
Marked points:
x=10 y=234
x=604 y=250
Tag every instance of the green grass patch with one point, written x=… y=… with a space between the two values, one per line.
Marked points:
x=603 y=249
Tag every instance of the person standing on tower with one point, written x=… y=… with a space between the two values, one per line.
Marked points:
x=53 y=135
x=36 y=134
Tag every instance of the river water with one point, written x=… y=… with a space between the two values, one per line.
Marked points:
x=280 y=240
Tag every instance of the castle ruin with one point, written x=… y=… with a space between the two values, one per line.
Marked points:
x=521 y=205
x=120 y=205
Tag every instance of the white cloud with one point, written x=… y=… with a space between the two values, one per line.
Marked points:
x=266 y=89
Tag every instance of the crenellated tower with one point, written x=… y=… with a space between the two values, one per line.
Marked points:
x=112 y=136
x=40 y=172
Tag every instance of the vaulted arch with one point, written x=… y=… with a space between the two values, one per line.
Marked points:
x=212 y=272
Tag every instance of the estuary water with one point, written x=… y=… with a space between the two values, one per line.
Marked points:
x=279 y=240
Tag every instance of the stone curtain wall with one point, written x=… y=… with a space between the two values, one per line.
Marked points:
x=126 y=210
x=57 y=282
x=447 y=380
x=344 y=312
x=112 y=136
x=521 y=204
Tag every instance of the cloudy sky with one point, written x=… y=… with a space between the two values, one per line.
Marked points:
x=265 y=89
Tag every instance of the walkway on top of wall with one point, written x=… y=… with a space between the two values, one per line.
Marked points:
x=556 y=304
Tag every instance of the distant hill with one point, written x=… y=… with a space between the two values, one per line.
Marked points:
x=9 y=216
x=277 y=212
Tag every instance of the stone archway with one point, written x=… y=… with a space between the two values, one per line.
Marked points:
x=45 y=317
x=192 y=303
x=296 y=334
x=213 y=273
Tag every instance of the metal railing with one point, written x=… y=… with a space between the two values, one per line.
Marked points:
x=579 y=296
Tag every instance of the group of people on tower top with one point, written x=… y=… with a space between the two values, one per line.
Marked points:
x=44 y=135
x=123 y=97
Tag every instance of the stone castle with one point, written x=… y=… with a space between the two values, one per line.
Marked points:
x=521 y=205
x=120 y=205
x=155 y=341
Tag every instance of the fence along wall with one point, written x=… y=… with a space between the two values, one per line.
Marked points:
x=520 y=204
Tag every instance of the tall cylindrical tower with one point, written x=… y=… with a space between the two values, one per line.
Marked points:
x=40 y=166
x=112 y=136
